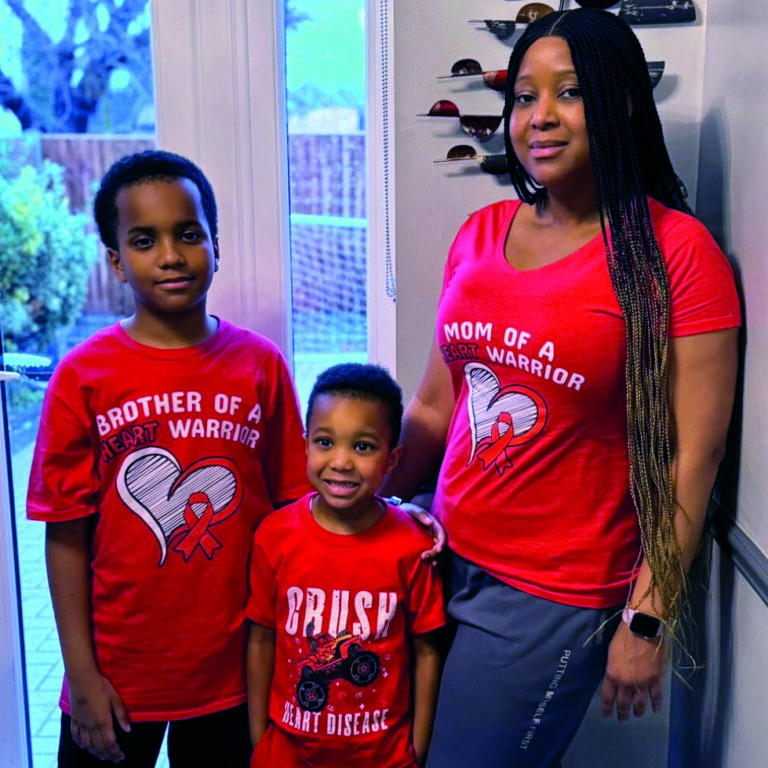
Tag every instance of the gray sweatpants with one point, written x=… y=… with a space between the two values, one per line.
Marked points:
x=519 y=676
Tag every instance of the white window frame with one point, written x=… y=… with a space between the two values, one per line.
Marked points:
x=220 y=100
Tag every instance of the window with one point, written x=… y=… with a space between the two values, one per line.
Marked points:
x=327 y=120
x=220 y=95
x=290 y=153
x=76 y=93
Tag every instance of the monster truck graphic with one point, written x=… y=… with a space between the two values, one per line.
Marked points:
x=331 y=658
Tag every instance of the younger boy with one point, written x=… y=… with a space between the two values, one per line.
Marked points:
x=341 y=599
x=164 y=441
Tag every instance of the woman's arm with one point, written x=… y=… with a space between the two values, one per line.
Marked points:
x=260 y=666
x=425 y=427
x=702 y=386
x=426 y=676
x=92 y=699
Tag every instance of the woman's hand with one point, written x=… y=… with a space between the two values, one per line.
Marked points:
x=92 y=707
x=433 y=527
x=634 y=674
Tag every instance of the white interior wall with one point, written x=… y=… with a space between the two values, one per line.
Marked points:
x=719 y=721
x=732 y=189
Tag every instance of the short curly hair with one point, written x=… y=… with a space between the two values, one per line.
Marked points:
x=362 y=381
x=141 y=167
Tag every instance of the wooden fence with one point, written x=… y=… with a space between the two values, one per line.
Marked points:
x=85 y=160
x=326 y=174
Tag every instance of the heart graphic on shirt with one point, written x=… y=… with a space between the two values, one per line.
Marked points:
x=500 y=419
x=179 y=506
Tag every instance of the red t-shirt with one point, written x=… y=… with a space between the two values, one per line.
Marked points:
x=343 y=608
x=534 y=486
x=178 y=454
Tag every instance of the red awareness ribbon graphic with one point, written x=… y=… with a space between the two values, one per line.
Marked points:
x=494 y=450
x=198 y=534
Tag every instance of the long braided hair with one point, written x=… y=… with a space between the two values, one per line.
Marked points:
x=630 y=162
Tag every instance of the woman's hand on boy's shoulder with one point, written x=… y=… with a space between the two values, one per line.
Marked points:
x=432 y=525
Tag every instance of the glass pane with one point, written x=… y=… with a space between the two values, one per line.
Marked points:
x=326 y=97
x=75 y=94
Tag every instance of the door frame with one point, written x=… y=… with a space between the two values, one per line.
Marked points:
x=14 y=723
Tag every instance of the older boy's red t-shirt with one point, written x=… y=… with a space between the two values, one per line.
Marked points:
x=534 y=486
x=177 y=455
x=343 y=608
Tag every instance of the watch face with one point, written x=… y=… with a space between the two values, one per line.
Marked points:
x=645 y=625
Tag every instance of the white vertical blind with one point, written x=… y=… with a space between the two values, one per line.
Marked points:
x=382 y=280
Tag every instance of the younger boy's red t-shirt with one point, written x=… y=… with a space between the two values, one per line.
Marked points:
x=176 y=455
x=343 y=607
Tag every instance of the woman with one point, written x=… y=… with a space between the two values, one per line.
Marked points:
x=578 y=396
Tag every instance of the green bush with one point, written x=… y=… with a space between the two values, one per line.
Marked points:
x=46 y=254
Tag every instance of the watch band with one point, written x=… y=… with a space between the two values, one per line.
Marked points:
x=644 y=625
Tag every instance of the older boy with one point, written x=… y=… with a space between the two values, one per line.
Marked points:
x=164 y=441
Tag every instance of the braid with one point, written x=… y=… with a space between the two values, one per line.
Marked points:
x=630 y=162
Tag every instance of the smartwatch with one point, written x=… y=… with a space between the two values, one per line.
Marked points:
x=644 y=625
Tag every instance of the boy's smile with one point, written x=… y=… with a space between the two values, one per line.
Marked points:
x=348 y=455
x=166 y=253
